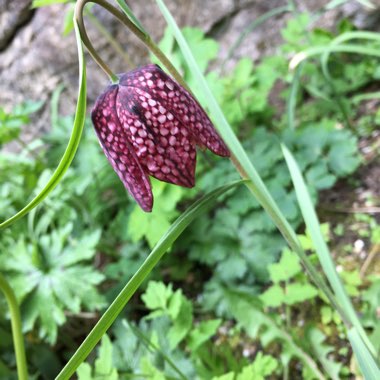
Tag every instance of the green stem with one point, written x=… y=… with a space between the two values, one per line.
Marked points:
x=292 y=98
x=152 y=347
x=261 y=193
x=298 y=351
x=107 y=35
x=18 y=339
x=139 y=33
x=78 y=15
x=255 y=23
x=133 y=284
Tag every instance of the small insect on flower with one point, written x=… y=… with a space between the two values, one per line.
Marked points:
x=148 y=125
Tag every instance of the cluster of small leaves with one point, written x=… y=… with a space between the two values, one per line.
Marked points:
x=169 y=342
x=48 y=257
x=348 y=73
x=172 y=339
x=273 y=318
x=239 y=240
x=51 y=275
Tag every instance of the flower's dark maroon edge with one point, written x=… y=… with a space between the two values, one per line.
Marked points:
x=148 y=125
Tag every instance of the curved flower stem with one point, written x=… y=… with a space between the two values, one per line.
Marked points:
x=162 y=246
x=18 y=339
x=107 y=35
x=264 y=198
x=143 y=37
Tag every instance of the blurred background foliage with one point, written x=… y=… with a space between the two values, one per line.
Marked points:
x=229 y=301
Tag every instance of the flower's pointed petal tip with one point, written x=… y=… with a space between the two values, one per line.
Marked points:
x=220 y=149
x=188 y=181
x=146 y=206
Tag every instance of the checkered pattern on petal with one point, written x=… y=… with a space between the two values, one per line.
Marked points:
x=118 y=150
x=164 y=147
x=178 y=104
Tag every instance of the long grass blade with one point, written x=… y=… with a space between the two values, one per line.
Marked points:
x=320 y=245
x=243 y=163
x=344 y=48
x=292 y=99
x=151 y=261
x=124 y=6
x=366 y=362
x=68 y=156
x=18 y=338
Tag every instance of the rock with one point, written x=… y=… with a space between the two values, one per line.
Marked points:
x=13 y=14
x=38 y=57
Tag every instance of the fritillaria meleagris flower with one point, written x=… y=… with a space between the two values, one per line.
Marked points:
x=148 y=125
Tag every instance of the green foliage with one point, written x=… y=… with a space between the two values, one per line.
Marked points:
x=289 y=293
x=247 y=309
x=263 y=366
x=316 y=339
x=164 y=302
x=103 y=368
x=239 y=240
x=244 y=93
x=50 y=275
x=11 y=123
x=153 y=225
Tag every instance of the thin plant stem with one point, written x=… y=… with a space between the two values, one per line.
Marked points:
x=78 y=14
x=143 y=37
x=152 y=347
x=139 y=276
x=292 y=98
x=107 y=35
x=299 y=352
x=327 y=79
x=253 y=25
x=372 y=254
x=290 y=238
x=18 y=339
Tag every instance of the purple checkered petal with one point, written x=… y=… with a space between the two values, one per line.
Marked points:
x=164 y=147
x=149 y=125
x=116 y=146
x=177 y=103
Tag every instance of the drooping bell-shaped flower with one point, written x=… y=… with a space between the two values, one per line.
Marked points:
x=148 y=125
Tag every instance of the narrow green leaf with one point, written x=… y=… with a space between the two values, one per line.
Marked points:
x=344 y=48
x=366 y=361
x=364 y=35
x=153 y=347
x=256 y=185
x=44 y=3
x=151 y=261
x=68 y=24
x=292 y=99
x=241 y=159
x=367 y=3
x=72 y=146
x=128 y=12
x=252 y=26
x=320 y=245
